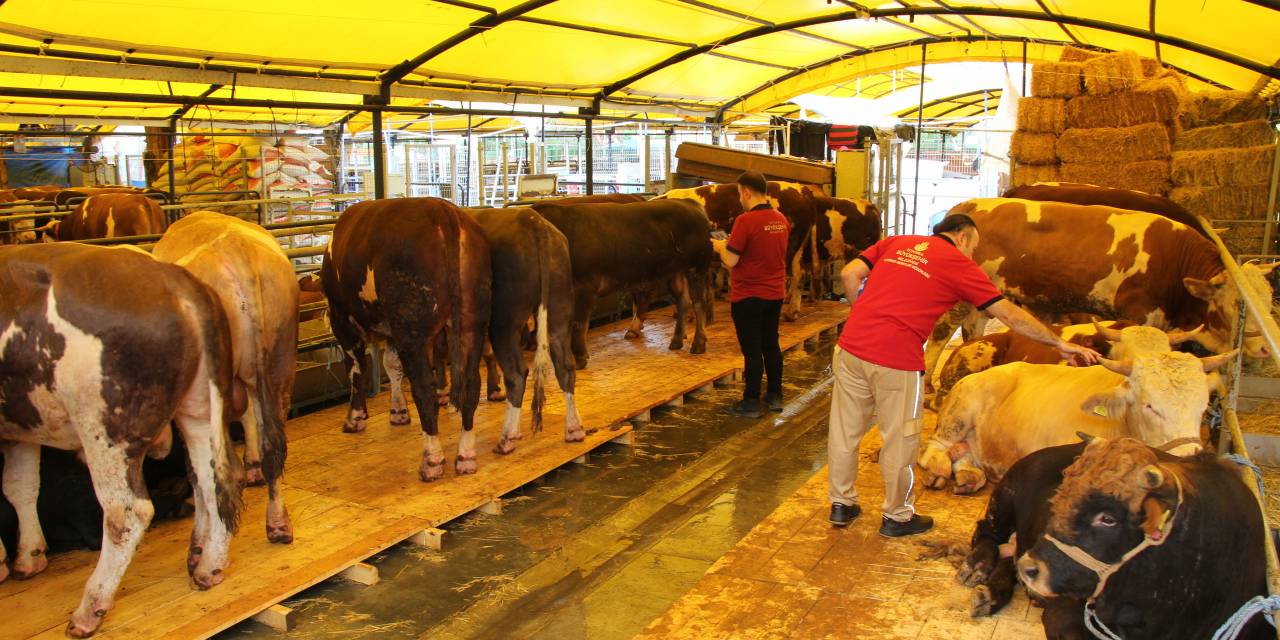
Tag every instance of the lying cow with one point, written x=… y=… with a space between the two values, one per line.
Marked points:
x=255 y=282
x=993 y=418
x=1078 y=193
x=1124 y=265
x=104 y=369
x=111 y=215
x=620 y=246
x=399 y=271
x=1155 y=546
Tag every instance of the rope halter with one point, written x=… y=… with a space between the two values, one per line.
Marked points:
x=1104 y=569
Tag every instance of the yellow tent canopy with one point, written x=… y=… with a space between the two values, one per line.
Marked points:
x=316 y=62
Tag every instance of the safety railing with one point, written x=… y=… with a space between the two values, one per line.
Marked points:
x=1233 y=438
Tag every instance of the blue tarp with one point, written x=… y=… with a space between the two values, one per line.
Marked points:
x=38 y=166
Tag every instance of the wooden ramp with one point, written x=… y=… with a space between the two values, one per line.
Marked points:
x=353 y=495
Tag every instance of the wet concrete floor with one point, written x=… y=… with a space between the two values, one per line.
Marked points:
x=596 y=550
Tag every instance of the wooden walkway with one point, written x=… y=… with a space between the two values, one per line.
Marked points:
x=353 y=495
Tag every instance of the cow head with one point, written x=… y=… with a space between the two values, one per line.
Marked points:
x=18 y=232
x=1132 y=341
x=1163 y=396
x=1223 y=300
x=1114 y=497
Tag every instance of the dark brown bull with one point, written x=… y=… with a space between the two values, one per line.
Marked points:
x=110 y=215
x=620 y=246
x=100 y=349
x=1076 y=193
x=399 y=271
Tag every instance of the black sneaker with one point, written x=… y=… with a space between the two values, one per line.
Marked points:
x=843 y=514
x=894 y=529
x=745 y=409
x=774 y=402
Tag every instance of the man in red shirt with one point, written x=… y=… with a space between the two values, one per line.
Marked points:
x=879 y=363
x=756 y=254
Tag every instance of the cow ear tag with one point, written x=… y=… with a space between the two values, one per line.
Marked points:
x=1101 y=410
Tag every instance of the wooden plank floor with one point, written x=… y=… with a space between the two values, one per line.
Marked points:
x=796 y=576
x=353 y=495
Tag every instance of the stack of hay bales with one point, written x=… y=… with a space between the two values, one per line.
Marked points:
x=1222 y=163
x=1119 y=129
x=211 y=164
x=1041 y=119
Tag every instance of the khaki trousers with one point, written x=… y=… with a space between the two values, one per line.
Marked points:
x=861 y=389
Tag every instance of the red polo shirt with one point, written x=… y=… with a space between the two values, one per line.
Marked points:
x=913 y=281
x=759 y=238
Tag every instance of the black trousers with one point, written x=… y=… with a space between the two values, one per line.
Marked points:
x=756 y=322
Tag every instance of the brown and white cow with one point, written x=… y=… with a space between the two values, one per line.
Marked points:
x=1054 y=257
x=1079 y=193
x=993 y=418
x=399 y=271
x=110 y=215
x=100 y=348
x=621 y=246
x=256 y=285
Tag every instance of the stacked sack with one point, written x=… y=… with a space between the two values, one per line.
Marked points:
x=1222 y=162
x=207 y=163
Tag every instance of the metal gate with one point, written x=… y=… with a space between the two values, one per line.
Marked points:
x=431 y=170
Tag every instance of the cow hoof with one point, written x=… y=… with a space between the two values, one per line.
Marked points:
x=973 y=574
x=442 y=399
x=969 y=481
x=431 y=470
x=505 y=445
x=280 y=530
x=4 y=572
x=575 y=434
x=676 y=345
x=203 y=581
x=580 y=364
x=354 y=425
x=400 y=417
x=631 y=334
x=193 y=558
x=935 y=482
x=253 y=475
x=36 y=563
x=497 y=396
x=83 y=625
x=698 y=348
x=464 y=466
x=981 y=604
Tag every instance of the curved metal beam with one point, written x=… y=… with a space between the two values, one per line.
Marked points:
x=890 y=12
x=955 y=98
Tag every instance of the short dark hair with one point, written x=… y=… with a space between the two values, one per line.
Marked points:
x=755 y=181
x=954 y=223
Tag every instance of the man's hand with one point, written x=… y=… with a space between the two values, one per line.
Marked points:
x=1077 y=355
x=718 y=244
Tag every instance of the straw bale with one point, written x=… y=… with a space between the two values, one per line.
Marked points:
x=1236 y=134
x=1024 y=174
x=1150 y=67
x=1125 y=109
x=1042 y=115
x=1033 y=148
x=1056 y=79
x=1119 y=71
x=1237 y=202
x=1147 y=176
x=1076 y=54
x=1148 y=141
x=1210 y=108
x=1223 y=167
x=1245 y=238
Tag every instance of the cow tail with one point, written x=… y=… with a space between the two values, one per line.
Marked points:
x=271 y=426
x=542 y=355
x=228 y=474
x=453 y=256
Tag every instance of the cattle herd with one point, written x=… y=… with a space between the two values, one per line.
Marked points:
x=204 y=333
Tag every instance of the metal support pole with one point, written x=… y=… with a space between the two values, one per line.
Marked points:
x=466 y=191
x=503 y=168
x=668 y=175
x=1270 y=215
x=379 y=162
x=590 y=153
x=173 y=129
x=644 y=161
x=915 y=197
x=1024 y=67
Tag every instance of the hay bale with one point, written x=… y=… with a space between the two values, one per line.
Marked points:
x=1150 y=67
x=1024 y=174
x=1119 y=71
x=1125 y=109
x=1033 y=148
x=1237 y=202
x=1042 y=115
x=1057 y=79
x=1211 y=108
x=1223 y=167
x=1148 y=141
x=1147 y=176
x=1236 y=134
x=1245 y=239
x=1076 y=54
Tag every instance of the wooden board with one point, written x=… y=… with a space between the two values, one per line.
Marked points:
x=724 y=164
x=353 y=495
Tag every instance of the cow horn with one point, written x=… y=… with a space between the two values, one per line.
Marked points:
x=1220 y=230
x=1112 y=335
x=1152 y=477
x=1122 y=367
x=1089 y=439
x=1177 y=337
x=1211 y=363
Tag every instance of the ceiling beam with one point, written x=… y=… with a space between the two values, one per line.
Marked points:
x=953 y=98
